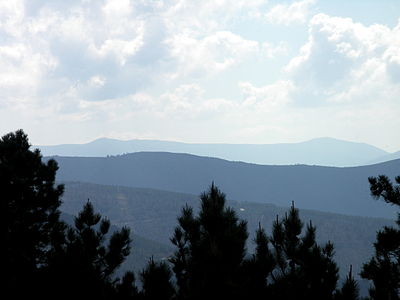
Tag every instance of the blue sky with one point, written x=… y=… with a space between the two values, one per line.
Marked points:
x=244 y=71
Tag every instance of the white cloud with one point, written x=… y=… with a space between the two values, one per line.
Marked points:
x=214 y=53
x=201 y=18
x=266 y=98
x=132 y=44
x=345 y=61
x=153 y=69
x=286 y=14
x=271 y=51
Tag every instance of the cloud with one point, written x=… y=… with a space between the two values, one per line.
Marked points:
x=133 y=46
x=182 y=69
x=204 y=17
x=345 y=61
x=266 y=98
x=213 y=53
x=286 y=14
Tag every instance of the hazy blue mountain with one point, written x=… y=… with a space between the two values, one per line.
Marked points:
x=387 y=157
x=332 y=189
x=321 y=151
x=152 y=213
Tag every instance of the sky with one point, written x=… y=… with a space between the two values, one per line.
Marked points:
x=218 y=71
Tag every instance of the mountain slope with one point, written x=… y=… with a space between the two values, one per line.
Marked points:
x=322 y=151
x=339 y=190
x=152 y=213
x=387 y=157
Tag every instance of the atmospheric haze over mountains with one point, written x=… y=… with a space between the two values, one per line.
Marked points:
x=320 y=151
x=332 y=189
x=143 y=184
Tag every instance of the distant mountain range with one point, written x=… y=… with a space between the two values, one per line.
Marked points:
x=330 y=189
x=321 y=151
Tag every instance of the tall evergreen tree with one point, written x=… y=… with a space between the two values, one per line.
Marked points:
x=156 y=281
x=349 y=290
x=84 y=265
x=258 y=269
x=384 y=267
x=126 y=289
x=210 y=250
x=304 y=270
x=30 y=203
x=44 y=256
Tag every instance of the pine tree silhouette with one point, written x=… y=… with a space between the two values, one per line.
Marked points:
x=156 y=281
x=84 y=265
x=304 y=270
x=258 y=268
x=384 y=267
x=349 y=290
x=30 y=212
x=126 y=289
x=210 y=250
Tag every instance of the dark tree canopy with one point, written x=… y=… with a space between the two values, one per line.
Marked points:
x=349 y=290
x=384 y=267
x=304 y=270
x=156 y=281
x=84 y=265
x=210 y=258
x=44 y=256
x=210 y=250
x=30 y=207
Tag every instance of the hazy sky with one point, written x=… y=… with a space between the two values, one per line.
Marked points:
x=237 y=71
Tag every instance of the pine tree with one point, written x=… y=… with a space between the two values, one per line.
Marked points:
x=45 y=258
x=126 y=288
x=349 y=290
x=156 y=281
x=304 y=270
x=84 y=265
x=384 y=267
x=258 y=269
x=210 y=250
x=30 y=203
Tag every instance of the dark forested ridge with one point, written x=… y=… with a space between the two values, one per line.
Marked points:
x=152 y=213
x=331 y=189
x=320 y=151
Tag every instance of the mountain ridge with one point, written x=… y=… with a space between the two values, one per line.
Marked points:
x=339 y=190
x=319 y=151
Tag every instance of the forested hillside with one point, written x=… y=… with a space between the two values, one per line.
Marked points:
x=153 y=213
x=338 y=190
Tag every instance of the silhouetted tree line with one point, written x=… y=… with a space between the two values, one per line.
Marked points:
x=46 y=258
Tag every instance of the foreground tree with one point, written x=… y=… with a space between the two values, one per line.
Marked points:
x=384 y=267
x=258 y=268
x=84 y=265
x=156 y=281
x=304 y=270
x=349 y=290
x=30 y=203
x=45 y=258
x=210 y=250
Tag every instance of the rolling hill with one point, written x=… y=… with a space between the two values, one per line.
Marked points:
x=330 y=189
x=152 y=214
x=321 y=151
